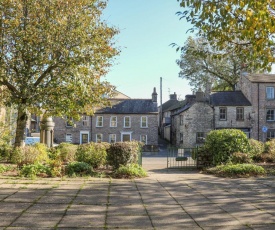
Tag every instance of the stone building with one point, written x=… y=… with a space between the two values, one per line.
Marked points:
x=125 y=120
x=191 y=123
x=259 y=90
x=231 y=110
x=220 y=110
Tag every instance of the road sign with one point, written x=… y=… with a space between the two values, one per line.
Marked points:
x=264 y=129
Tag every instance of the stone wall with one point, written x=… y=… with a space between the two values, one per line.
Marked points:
x=231 y=121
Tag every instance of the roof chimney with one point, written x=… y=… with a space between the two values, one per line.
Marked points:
x=173 y=96
x=199 y=96
x=154 y=95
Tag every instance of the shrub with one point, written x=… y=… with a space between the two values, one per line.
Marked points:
x=5 y=152
x=33 y=170
x=256 y=148
x=78 y=169
x=267 y=157
x=28 y=155
x=222 y=143
x=237 y=170
x=240 y=158
x=270 y=146
x=66 y=152
x=92 y=153
x=56 y=168
x=130 y=171
x=123 y=153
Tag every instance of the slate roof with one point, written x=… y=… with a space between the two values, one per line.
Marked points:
x=168 y=104
x=130 y=106
x=261 y=78
x=229 y=98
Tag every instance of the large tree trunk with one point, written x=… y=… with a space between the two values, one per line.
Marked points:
x=20 y=126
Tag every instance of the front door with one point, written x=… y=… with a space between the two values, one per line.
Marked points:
x=84 y=137
x=126 y=137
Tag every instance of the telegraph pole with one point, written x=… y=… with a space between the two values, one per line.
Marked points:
x=160 y=110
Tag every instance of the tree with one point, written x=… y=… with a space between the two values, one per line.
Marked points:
x=53 y=55
x=203 y=65
x=247 y=25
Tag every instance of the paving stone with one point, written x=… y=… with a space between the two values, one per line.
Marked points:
x=37 y=220
x=6 y=207
x=6 y=218
x=85 y=221
x=48 y=208
x=129 y=222
x=127 y=210
x=76 y=209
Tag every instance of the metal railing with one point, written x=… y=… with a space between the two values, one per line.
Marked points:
x=179 y=157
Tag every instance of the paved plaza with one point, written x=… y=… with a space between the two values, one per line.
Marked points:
x=166 y=199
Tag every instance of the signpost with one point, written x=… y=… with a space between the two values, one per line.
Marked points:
x=264 y=129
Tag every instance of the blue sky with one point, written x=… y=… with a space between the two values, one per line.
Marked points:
x=147 y=28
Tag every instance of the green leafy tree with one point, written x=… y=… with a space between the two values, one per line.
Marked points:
x=53 y=55
x=202 y=65
x=247 y=25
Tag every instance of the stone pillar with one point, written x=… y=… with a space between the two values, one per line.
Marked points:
x=47 y=131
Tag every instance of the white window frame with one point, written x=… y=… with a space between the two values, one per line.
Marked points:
x=97 y=139
x=129 y=126
x=112 y=137
x=84 y=132
x=141 y=138
x=85 y=120
x=113 y=121
x=99 y=119
x=146 y=121
x=269 y=92
x=69 y=138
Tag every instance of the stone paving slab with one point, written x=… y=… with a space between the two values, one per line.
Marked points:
x=172 y=199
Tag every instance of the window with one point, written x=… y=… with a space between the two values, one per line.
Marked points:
x=85 y=120
x=99 y=121
x=181 y=138
x=112 y=138
x=127 y=122
x=269 y=92
x=99 y=138
x=200 y=137
x=181 y=119
x=69 y=122
x=239 y=114
x=113 y=122
x=222 y=113
x=143 y=138
x=143 y=122
x=270 y=134
x=270 y=115
x=69 y=137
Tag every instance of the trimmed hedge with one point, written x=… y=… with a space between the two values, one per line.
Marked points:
x=222 y=143
x=123 y=153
